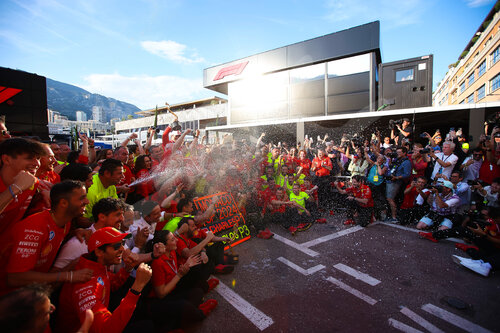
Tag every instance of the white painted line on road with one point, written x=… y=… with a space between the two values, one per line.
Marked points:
x=357 y=274
x=454 y=240
x=257 y=317
x=296 y=246
x=353 y=291
x=331 y=236
x=419 y=320
x=453 y=319
x=400 y=227
x=299 y=269
x=403 y=327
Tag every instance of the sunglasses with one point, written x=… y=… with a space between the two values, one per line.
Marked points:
x=4 y=132
x=117 y=246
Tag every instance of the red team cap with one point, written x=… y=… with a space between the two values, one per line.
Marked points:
x=107 y=235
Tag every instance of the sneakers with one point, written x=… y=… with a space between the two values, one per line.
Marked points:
x=349 y=221
x=265 y=234
x=478 y=266
x=427 y=235
x=223 y=269
x=392 y=220
x=292 y=230
x=465 y=247
x=321 y=221
x=304 y=226
x=208 y=306
x=212 y=283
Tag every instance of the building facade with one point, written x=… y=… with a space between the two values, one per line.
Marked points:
x=475 y=77
x=81 y=116
x=98 y=114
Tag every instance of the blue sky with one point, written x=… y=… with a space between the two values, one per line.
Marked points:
x=147 y=52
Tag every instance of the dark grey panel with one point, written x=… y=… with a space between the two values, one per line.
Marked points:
x=349 y=102
x=307 y=107
x=357 y=40
x=307 y=89
x=349 y=83
x=406 y=94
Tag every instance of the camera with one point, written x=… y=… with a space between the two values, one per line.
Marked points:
x=423 y=135
x=472 y=182
x=392 y=155
x=393 y=123
x=425 y=151
x=475 y=217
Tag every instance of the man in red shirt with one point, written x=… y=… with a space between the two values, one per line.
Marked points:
x=105 y=249
x=410 y=209
x=35 y=241
x=321 y=166
x=20 y=161
x=359 y=201
x=46 y=170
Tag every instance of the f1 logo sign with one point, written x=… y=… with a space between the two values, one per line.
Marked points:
x=6 y=93
x=231 y=70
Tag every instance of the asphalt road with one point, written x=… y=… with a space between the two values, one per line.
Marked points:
x=354 y=279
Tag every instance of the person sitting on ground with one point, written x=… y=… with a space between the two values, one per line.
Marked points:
x=443 y=204
x=414 y=202
x=34 y=242
x=301 y=217
x=212 y=255
x=359 y=201
x=185 y=208
x=105 y=249
x=174 y=302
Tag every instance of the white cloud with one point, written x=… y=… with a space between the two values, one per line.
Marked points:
x=172 y=50
x=390 y=13
x=144 y=91
x=477 y=3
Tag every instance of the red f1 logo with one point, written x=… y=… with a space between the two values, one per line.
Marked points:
x=6 y=93
x=231 y=70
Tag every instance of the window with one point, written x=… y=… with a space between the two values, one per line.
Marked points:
x=462 y=87
x=404 y=75
x=495 y=83
x=495 y=56
x=482 y=69
x=480 y=92
x=470 y=79
x=470 y=98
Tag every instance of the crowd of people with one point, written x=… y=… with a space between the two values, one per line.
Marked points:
x=113 y=239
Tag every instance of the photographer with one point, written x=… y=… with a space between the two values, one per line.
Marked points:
x=443 y=204
x=415 y=197
x=405 y=131
x=399 y=172
x=419 y=160
x=489 y=193
x=445 y=161
x=471 y=165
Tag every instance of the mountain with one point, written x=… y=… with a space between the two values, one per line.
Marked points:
x=67 y=99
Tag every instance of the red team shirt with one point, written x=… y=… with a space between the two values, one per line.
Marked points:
x=34 y=246
x=164 y=270
x=363 y=192
x=76 y=298
x=15 y=210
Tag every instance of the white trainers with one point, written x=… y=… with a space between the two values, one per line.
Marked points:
x=477 y=266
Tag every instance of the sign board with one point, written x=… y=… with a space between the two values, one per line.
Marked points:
x=226 y=221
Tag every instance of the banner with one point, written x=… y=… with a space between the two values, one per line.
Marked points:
x=226 y=221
